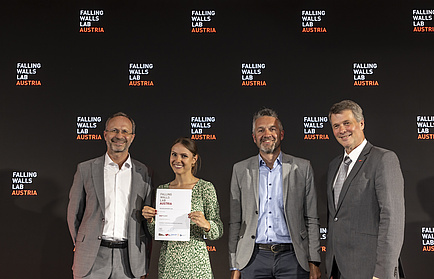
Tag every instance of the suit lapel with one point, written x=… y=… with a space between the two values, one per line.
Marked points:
x=254 y=169
x=135 y=185
x=98 y=181
x=286 y=170
x=334 y=167
x=134 y=193
x=354 y=171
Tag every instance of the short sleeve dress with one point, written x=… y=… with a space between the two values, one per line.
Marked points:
x=190 y=259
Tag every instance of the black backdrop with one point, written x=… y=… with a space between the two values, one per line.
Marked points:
x=86 y=74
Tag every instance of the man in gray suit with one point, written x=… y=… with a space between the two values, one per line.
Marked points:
x=104 y=210
x=365 y=192
x=273 y=227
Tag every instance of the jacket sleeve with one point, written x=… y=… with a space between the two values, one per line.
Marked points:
x=389 y=187
x=311 y=217
x=77 y=204
x=234 y=219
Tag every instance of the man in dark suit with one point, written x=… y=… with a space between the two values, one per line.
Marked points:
x=104 y=210
x=273 y=227
x=365 y=193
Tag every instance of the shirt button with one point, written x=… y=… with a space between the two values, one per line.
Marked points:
x=256 y=212
x=269 y=226
x=99 y=237
x=269 y=212
x=336 y=219
x=270 y=198
x=253 y=237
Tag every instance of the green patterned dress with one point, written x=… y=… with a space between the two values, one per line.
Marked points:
x=190 y=259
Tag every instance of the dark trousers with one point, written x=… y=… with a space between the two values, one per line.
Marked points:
x=335 y=271
x=269 y=265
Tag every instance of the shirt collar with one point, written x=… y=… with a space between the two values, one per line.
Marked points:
x=356 y=152
x=109 y=162
x=277 y=162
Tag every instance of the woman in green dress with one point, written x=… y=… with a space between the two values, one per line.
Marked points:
x=189 y=259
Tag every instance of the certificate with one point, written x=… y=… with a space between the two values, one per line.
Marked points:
x=171 y=221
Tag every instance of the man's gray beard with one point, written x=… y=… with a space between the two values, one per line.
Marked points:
x=269 y=150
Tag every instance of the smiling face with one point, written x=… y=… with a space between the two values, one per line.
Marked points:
x=182 y=159
x=118 y=135
x=348 y=132
x=267 y=135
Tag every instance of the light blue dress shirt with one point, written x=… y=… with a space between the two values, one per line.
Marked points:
x=272 y=227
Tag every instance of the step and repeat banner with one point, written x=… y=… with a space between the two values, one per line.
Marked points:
x=200 y=69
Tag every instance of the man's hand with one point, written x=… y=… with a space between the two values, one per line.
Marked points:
x=315 y=273
x=235 y=274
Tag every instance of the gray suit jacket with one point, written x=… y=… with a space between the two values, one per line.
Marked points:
x=86 y=216
x=366 y=229
x=300 y=208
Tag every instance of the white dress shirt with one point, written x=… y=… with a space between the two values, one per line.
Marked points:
x=117 y=189
x=353 y=156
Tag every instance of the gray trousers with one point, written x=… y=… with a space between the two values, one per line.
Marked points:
x=110 y=263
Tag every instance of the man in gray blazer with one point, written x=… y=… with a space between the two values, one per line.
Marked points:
x=273 y=227
x=104 y=210
x=365 y=192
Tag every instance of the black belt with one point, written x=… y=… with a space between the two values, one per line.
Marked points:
x=276 y=248
x=114 y=244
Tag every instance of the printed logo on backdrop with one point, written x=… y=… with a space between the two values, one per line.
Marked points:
x=314 y=127
x=138 y=74
x=201 y=127
x=251 y=74
x=90 y=21
x=210 y=248
x=26 y=74
x=427 y=239
x=22 y=183
x=323 y=237
x=363 y=74
x=88 y=128
x=425 y=123
x=310 y=19
x=201 y=21
x=423 y=21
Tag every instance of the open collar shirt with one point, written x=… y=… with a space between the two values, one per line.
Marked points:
x=117 y=190
x=272 y=227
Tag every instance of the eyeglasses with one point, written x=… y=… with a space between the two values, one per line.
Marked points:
x=116 y=131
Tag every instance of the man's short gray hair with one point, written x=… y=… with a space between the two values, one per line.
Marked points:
x=266 y=112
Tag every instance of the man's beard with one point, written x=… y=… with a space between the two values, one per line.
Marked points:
x=269 y=149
